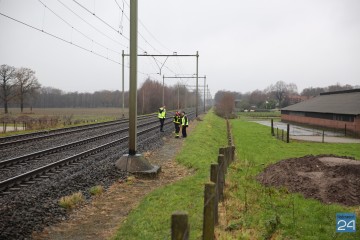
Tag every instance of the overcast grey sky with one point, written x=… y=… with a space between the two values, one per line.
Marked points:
x=243 y=44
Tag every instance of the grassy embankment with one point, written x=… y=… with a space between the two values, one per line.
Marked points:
x=151 y=220
x=256 y=212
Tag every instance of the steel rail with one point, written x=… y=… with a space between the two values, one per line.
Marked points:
x=63 y=131
x=6 y=184
x=33 y=174
x=23 y=158
x=69 y=129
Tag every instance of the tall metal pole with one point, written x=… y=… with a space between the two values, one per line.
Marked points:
x=133 y=76
x=207 y=92
x=197 y=83
x=122 y=78
x=204 y=93
x=178 y=107
x=163 y=99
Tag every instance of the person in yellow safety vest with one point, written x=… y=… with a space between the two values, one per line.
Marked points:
x=177 y=122
x=162 y=116
x=184 y=124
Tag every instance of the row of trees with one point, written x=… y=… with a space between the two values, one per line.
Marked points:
x=149 y=98
x=21 y=87
x=276 y=95
x=17 y=85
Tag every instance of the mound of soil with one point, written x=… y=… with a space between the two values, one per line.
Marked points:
x=328 y=178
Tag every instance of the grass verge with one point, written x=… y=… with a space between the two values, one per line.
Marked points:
x=255 y=212
x=151 y=219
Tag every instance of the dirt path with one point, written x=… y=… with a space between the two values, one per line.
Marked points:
x=103 y=216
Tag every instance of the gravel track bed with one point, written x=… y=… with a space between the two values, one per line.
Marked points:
x=31 y=209
x=51 y=158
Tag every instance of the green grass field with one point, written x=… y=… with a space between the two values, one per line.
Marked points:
x=256 y=212
x=151 y=220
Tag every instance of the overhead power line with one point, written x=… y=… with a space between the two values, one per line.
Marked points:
x=92 y=25
x=89 y=38
x=59 y=38
x=107 y=24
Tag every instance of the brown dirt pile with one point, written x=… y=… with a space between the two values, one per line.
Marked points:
x=327 y=178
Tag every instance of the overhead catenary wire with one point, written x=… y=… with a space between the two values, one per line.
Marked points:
x=94 y=14
x=99 y=31
x=122 y=15
x=147 y=30
x=59 y=38
x=84 y=35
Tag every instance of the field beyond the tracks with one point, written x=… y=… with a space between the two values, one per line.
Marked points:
x=66 y=117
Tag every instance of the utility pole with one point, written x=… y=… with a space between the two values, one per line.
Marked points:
x=133 y=76
x=134 y=162
x=178 y=105
x=163 y=91
x=197 y=83
x=204 y=94
x=122 y=78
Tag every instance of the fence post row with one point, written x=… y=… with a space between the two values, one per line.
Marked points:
x=214 y=192
x=209 y=213
x=214 y=169
x=179 y=226
x=221 y=176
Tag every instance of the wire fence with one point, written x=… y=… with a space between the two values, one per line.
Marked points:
x=213 y=194
x=285 y=131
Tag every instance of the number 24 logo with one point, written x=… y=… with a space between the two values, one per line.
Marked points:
x=343 y=225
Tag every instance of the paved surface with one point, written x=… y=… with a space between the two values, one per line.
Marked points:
x=308 y=134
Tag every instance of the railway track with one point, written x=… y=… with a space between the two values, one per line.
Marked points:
x=6 y=142
x=29 y=177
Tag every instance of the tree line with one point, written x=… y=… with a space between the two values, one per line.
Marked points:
x=278 y=95
x=21 y=88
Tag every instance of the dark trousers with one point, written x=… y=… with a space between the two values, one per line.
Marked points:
x=162 y=120
x=177 y=129
x=184 y=135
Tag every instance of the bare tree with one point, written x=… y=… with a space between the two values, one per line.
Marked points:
x=26 y=84
x=225 y=104
x=7 y=84
x=280 y=90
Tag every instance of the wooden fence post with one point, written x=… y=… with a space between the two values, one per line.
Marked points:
x=288 y=133
x=232 y=153
x=221 y=177
x=226 y=163
x=209 y=221
x=272 y=127
x=345 y=130
x=179 y=226
x=214 y=178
